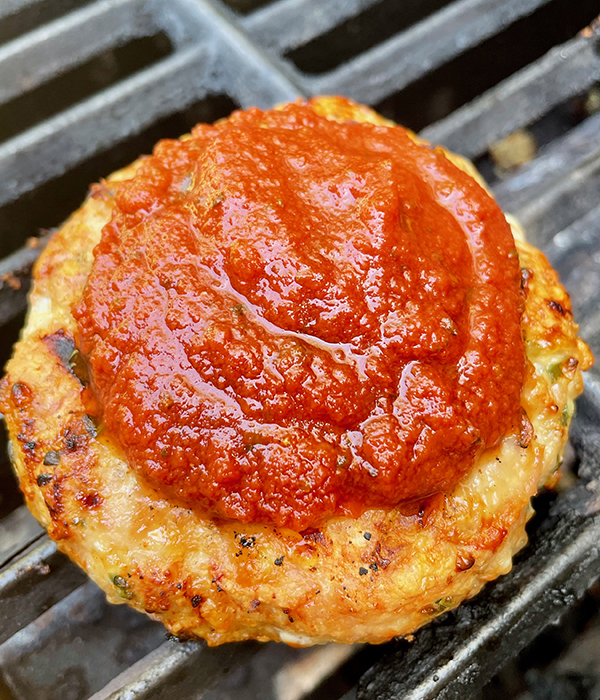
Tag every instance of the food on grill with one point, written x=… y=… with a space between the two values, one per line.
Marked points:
x=304 y=387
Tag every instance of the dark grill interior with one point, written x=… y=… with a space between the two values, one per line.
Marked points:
x=87 y=86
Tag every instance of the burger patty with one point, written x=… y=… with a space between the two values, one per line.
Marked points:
x=364 y=579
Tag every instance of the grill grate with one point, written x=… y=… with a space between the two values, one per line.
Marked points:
x=212 y=59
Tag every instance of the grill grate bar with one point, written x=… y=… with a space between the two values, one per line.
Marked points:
x=583 y=234
x=29 y=60
x=562 y=73
x=51 y=148
x=229 y=59
x=57 y=637
x=399 y=61
x=27 y=589
x=18 y=530
x=177 y=671
x=536 y=192
x=251 y=76
x=461 y=652
x=573 y=569
x=285 y=25
x=572 y=253
x=15 y=278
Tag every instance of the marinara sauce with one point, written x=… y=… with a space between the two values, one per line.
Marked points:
x=290 y=317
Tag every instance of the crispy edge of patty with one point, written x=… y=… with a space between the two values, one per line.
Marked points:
x=367 y=579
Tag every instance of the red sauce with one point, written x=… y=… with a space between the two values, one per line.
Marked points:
x=289 y=318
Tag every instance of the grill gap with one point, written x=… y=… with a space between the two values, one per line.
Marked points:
x=556 y=123
x=360 y=33
x=80 y=644
x=10 y=495
x=522 y=675
x=71 y=87
x=36 y=14
x=246 y=6
x=458 y=81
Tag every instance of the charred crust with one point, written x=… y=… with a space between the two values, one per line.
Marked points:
x=382 y=561
x=90 y=500
x=464 y=561
x=570 y=366
x=314 y=535
x=44 y=479
x=100 y=190
x=73 y=441
x=179 y=638
x=29 y=446
x=526 y=277
x=21 y=394
x=62 y=346
x=526 y=433
x=556 y=307
x=57 y=506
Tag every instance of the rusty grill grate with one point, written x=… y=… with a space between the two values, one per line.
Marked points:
x=86 y=85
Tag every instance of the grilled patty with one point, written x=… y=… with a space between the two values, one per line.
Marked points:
x=369 y=578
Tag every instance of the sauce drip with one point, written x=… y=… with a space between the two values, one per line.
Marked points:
x=290 y=318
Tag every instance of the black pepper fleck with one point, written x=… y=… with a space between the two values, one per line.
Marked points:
x=278 y=561
x=367 y=535
x=362 y=571
x=196 y=600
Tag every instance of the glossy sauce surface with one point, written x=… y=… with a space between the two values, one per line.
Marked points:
x=290 y=318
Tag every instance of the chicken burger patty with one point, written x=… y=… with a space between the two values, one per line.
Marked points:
x=292 y=377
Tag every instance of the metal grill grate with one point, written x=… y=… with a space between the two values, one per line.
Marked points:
x=58 y=637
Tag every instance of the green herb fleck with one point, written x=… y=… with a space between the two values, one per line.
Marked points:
x=122 y=587
x=555 y=369
x=51 y=459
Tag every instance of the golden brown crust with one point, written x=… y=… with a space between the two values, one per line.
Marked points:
x=383 y=574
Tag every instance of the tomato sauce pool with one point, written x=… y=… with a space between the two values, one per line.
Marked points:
x=290 y=317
